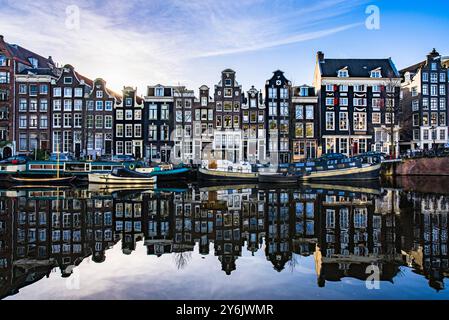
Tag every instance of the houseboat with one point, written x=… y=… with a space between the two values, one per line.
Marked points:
x=122 y=176
x=166 y=173
x=225 y=171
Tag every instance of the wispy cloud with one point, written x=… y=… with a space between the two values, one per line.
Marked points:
x=137 y=42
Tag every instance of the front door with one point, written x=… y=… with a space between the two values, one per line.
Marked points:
x=77 y=150
x=108 y=147
x=355 y=148
x=137 y=152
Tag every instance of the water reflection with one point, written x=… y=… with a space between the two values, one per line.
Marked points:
x=344 y=229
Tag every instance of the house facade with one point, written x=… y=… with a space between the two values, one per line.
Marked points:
x=228 y=98
x=424 y=101
x=203 y=126
x=128 y=129
x=159 y=123
x=277 y=126
x=253 y=127
x=183 y=125
x=359 y=104
x=305 y=124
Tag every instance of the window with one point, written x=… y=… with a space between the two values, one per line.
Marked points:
x=99 y=122
x=416 y=120
x=43 y=105
x=284 y=93
x=108 y=122
x=67 y=105
x=67 y=120
x=128 y=114
x=98 y=141
x=309 y=112
x=416 y=134
x=433 y=66
x=425 y=119
x=360 y=102
x=330 y=102
x=78 y=105
x=4 y=77
x=344 y=88
x=284 y=109
x=343 y=74
x=119 y=130
x=442 y=77
x=219 y=106
x=23 y=105
x=425 y=77
x=228 y=93
x=272 y=109
x=425 y=103
x=128 y=147
x=67 y=92
x=442 y=134
x=90 y=121
x=90 y=105
x=442 y=104
x=99 y=94
x=152 y=133
x=344 y=102
x=78 y=92
x=77 y=120
x=68 y=80
x=376 y=89
x=376 y=118
x=178 y=116
x=330 y=88
x=3 y=61
x=299 y=112
x=414 y=91
x=23 y=122
x=376 y=74
x=204 y=101
x=57 y=120
x=442 y=89
x=330 y=121
x=228 y=82
x=108 y=106
x=44 y=122
x=23 y=141
x=129 y=102
x=272 y=93
x=119 y=115
x=434 y=104
x=343 y=121
x=164 y=112
x=236 y=106
x=434 y=77
x=299 y=130
x=433 y=90
x=344 y=146
x=159 y=92
x=164 y=133
x=153 y=112
x=119 y=147
x=426 y=134
x=442 y=119
x=138 y=130
x=99 y=105
x=309 y=130
x=389 y=118
x=23 y=89
x=360 y=88
x=360 y=121
x=128 y=130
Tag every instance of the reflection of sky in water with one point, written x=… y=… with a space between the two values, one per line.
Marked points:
x=139 y=276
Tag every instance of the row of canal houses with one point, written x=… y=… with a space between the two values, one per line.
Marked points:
x=343 y=233
x=353 y=106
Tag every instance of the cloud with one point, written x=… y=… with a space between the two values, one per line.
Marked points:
x=139 y=42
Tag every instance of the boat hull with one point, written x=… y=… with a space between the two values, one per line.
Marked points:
x=227 y=176
x=278 y=178
x=109 y=179
x=371 y=172
x=43 y=181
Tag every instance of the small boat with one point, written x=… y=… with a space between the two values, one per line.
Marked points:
x=357 y=172
x=226 y=176
x=123 y=176
x=166 y=173
x=45 y=181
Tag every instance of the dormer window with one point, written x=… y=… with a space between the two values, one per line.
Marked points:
x=33 y=62
x=343 y=73
x=304 y=92
x=159 y=92
x=376 y=74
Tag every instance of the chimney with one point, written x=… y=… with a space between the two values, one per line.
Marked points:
x=320 y=56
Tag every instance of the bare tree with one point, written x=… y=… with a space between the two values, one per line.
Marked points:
x=392 y=107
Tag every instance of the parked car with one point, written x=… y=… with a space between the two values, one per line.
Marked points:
x=123 y=158
x=62 y=157
x=19 y=159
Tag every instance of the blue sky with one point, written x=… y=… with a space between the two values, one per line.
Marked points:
x=140 y=43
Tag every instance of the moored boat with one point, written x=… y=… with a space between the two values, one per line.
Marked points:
x=122 y=176
x=166 y=173
x=226 y=171
x=44 y=181
x=357 y=172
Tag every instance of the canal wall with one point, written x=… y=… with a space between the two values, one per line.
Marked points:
x=417 y=167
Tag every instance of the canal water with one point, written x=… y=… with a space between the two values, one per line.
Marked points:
x=316 y=241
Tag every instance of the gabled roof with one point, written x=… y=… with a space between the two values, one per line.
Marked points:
x=414 y=68
x=22 y=55
x=360 y=68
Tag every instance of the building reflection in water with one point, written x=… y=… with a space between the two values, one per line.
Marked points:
x=345 y=230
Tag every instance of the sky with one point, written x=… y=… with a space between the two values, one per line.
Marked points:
x=189 y=42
